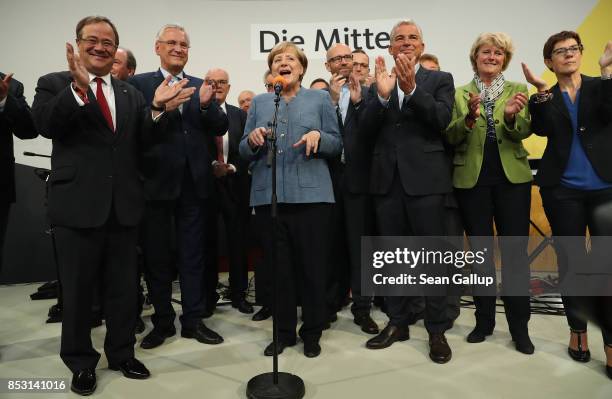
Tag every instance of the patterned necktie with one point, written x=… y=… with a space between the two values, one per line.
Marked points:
x=104 y=105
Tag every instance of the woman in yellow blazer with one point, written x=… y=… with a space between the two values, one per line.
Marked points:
x=492 y=181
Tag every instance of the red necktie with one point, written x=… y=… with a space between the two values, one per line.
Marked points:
x=104 y=105
x=219 y=142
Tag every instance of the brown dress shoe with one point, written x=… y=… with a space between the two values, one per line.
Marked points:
x=439 y=351
x=366 y=323
x=388 y=336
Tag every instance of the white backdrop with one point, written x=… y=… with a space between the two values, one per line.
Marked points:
x=34 y=33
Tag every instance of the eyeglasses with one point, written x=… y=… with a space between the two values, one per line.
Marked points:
x=361 y=64
x=338 y=58
x=216 y=82
x=268 y=86
x=562 y=51
x=174 y=43
x=93 y=42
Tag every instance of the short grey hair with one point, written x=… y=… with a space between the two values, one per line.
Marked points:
x=172 y=26
x=405 y=22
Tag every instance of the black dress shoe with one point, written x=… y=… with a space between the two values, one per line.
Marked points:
x=132 y=368
x=523 y=344
x=388 y=336
x=578 y=354
x=280 y=347
x=439 y=351
x=312 y=349
x=609 y=371
x=84 y=382
x=366 y=323
x=203 y=334
x=243 y=306
x=478 y=335
x=263 y=314
x=140 y=326
x=156 y=337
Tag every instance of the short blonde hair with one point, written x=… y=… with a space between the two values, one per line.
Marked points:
x=497 y=39
x=284 y=47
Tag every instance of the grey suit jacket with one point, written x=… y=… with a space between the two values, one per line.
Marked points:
x=299 y=179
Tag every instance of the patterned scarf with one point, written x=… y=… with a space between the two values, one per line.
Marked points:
x=488 y=96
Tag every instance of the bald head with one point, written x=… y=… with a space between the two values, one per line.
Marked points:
x=339 y=60
x=244 y=100
x=220 y=78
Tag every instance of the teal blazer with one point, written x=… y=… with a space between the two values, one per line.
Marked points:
x=469 y=143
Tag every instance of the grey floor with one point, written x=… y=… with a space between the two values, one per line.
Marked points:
x=346 y=369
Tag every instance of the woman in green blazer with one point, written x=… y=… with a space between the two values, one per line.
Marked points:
x=492 y=181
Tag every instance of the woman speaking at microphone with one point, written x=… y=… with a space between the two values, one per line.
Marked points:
x=307 y=134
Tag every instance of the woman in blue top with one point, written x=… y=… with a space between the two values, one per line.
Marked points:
x=307 y=135
x=575 y=174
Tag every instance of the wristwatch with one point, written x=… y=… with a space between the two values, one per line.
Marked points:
x=158 y=109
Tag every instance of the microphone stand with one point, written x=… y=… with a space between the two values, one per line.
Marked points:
x=274 y=385
x=55 y=311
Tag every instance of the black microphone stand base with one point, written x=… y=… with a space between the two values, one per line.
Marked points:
x=262 y=386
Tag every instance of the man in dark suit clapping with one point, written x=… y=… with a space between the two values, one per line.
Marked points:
x=178 y=183
x=99 y=126
x=407 y=111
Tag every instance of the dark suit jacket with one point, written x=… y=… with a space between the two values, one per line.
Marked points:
x=15 y=119
x=93 y=170
x=410 y=139
x=551 y=119
x=238 y=185
x=188 y=141
x=354 y=175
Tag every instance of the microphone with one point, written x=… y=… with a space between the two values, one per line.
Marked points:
x=279 y=83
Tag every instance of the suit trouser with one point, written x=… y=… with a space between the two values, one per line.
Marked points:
x=358 y=221
x=339 y=279
x=508 y=205
x=189 y=213
x=85 y=256
x=570 y=212
x=302 y=252
x=235 y=215
x=453 y=226
x=4 y=213
x=400 y=214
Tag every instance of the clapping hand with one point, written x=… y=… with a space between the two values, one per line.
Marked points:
x=335 y=86
x=537 y=81
x=605 y=61
x=77 y=69
x=406 y=75
x=514 y=105
x=207 y=93
x=4 y=85
x=165 y=93
x=354 y=88
x=385 y=81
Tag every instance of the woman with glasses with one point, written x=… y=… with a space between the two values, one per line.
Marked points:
x=575 y=174
x=307 y=135
x=492 y=181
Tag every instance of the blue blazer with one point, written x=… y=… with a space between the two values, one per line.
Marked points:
x=188 y=141
x=299 y=179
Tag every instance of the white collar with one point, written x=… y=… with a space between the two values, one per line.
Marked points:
x=106 y=78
